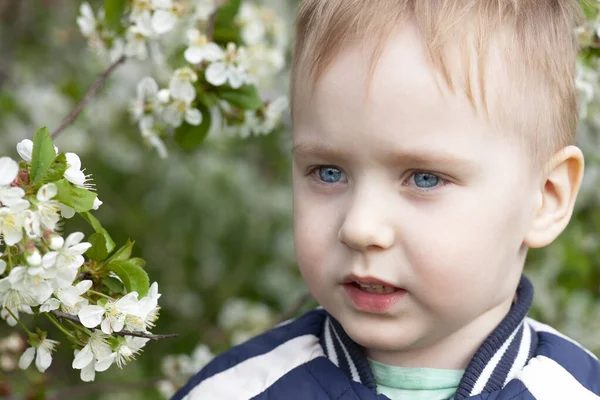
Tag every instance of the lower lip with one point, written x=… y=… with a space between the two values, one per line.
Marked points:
x=377 y=303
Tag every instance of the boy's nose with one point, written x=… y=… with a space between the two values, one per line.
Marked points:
x=366 y=226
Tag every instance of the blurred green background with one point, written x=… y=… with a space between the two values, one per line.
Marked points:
x=215 y=225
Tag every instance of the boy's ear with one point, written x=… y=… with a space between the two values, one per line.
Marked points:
x=556 y=197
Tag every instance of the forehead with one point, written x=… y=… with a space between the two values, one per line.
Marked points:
x=404 y=98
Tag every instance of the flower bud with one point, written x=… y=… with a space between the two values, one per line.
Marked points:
x=33 y=256
x=54 y=240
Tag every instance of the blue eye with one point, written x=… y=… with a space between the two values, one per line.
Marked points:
x=330 y=174
x=424 y=180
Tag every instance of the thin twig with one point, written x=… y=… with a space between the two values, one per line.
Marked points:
x=293 y=310
x=212 y=20
x=74 y=318
x=81 y=391
x=88 y=96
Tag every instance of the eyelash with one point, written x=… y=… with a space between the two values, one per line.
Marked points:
x=312 y=172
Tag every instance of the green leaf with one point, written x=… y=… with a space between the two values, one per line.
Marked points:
x=133 y=276
x=227 y=13
x=57 y=169
x=123 y=253
x=189 y=137
x=209 y=99
x=113 y=11
x=246 y=97
x=140 y=262
x=93 y=221
x=42 y=155
x=77 y=198
x=113 y=284
x=98 y=251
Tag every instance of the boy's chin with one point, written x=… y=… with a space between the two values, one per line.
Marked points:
x=382 y=335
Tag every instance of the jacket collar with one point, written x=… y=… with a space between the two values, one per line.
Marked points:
x=498 y=360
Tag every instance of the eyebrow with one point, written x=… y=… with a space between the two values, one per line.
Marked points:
x=422 y=157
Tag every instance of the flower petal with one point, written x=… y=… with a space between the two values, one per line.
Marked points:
x=163 y=21
x=50 y=305
x=216 y=74
x=66 y=211
x=73 y=239
x=47 y=192
x=25 y=148
x=91 y=316
x=193 y=116
x=8 y=170
x=88 y=374
x=2 y=266
x=27 y=358
x=104 y=363
x=83 y=357
x=43 y=359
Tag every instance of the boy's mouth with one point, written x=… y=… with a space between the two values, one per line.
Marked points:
x=371 y=294
x=370 y=285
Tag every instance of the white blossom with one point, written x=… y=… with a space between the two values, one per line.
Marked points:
x=201 y=49
x=42 y=353
x=180 y=85
x=68 y=299
x=179 y=110
x=146 y=99
x=48 y=209
x=111 y=316
x=74 y=174
x=144 y=314
x=95 y=356
x=127 y=351
x=12 y=221
x=151 y=135
x=86 y=21
x=9 y=170
x=231 y=69
x=137 y=36
x=61 y=266
x=2 y=266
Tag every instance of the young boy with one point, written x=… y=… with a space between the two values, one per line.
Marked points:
x=432 y=148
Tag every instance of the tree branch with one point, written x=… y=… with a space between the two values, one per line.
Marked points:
x=88 y=96
x=74 y=318
x=212 y=20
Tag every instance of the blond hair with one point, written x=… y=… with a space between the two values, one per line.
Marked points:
x=537 y=41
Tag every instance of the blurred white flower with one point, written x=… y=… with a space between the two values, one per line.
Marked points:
x=95 y=356
x=178 y=111
x=2 y=265
x=42 y=353
x=253 y=28
x=151 y=136
x=146 y=99
x=230 y=69
x=138 y=34
x=86 y=21
x=201 y=49
x=164 y=17
x=180 y=84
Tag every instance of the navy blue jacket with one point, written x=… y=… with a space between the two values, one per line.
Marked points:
x=313 y=358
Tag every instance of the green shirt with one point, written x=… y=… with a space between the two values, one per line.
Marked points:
x=400 y=383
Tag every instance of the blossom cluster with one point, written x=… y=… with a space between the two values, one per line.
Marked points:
x=41 y=271
x=227 y=51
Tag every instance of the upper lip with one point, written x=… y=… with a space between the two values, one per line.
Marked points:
x=366 y=280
